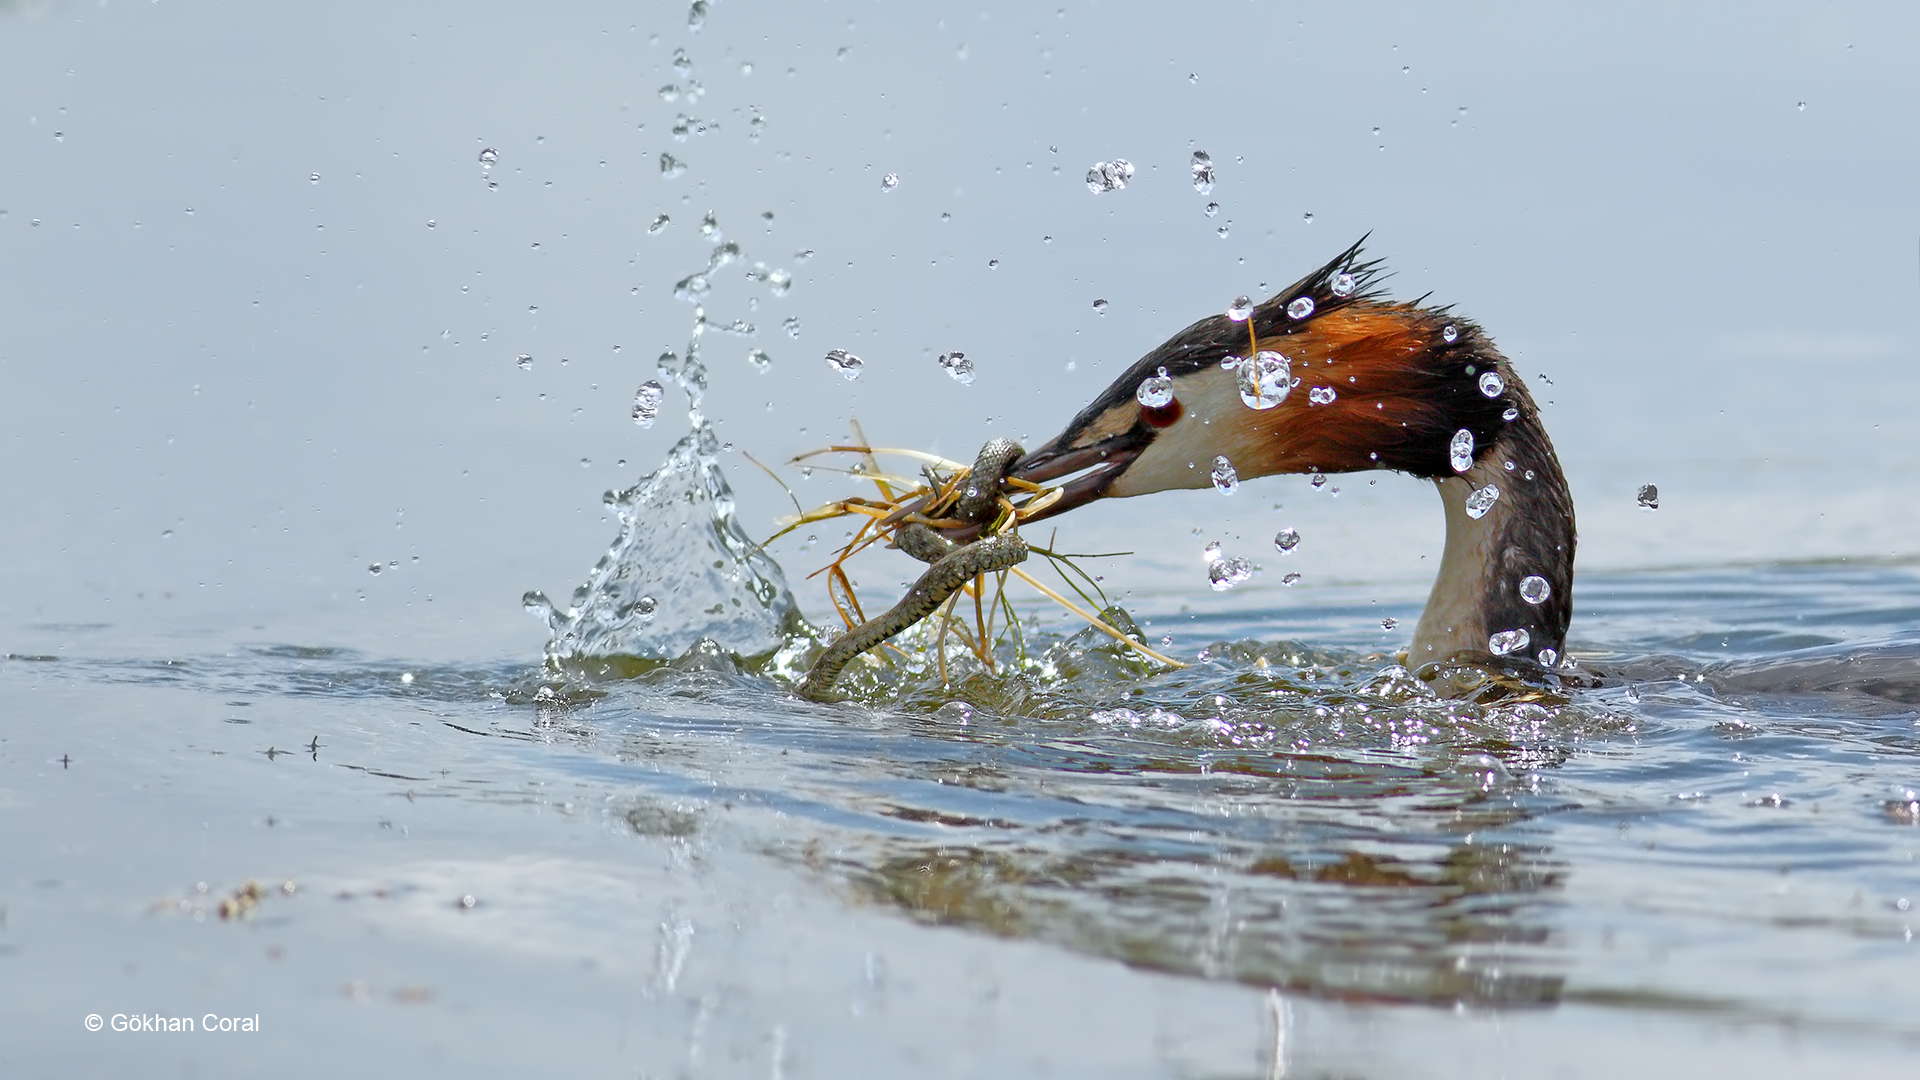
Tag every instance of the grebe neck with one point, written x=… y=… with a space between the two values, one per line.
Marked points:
x=1526 y=532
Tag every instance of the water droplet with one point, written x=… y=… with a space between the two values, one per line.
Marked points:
x=1213 y=208
x=646 y=403
x=1241 y=309
x=1534 y=589
x=1224 y=574
x=1109 y=175
x=1286 y=540
x=1460 y=451
x=1507 y=641
x=759 y=359
x=671 y=168
x=993 y=264
x=1317 y=481
x=1450 y=333
x=1321 y=395
x=791 y=324
x=374 y=569
x=1300 y=307
x=1343 y=284
x=1225 y=480
x=1290 y=580
x=1512 y=414
x=844 y=362
x=1481 y=501
x=958 y=366
x=1100 y=307
x=489 y=156
x=525 y=362
x=313 y=179
x=890 y=181
x=1802 y=106
x=682 y=63
x=1491 y=384
x=1156 y=391
x=1389 y=623
x=537 y=605
x=645 y=606
x=1202 y=172
x=697 y=18
x=1649 y=496
x=1212 y=554
x=1264 y=380
x=1549 y=658
x=1223 y=231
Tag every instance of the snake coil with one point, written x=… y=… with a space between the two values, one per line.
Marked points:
x=952 y=567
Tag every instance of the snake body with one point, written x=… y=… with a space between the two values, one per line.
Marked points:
x=953 y=566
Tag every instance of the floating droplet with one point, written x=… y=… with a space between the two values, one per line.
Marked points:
x=1512 y=414
x=1223 y=231
x=1481 y=501
x=1389 y=623
x=1507 y=641
x=1241 y=309
x=1224 y=574
x=1460 y=451
x=1300 y=307
x=844 y=362
x=791 y=324
x=759 y=359
x=489 y=156
x=958 y=366
x=890 y=181
x=671 y=168
x=1109 y=175
x=1549 y=658
x=1225 y=480
x=1100 y=307
x=1264 y=380
x=1202 y=172
x=1491 y=384
x=1213 y=208
x=1534 y=589
x=1449 y=333
x=525 y=362
x=1317 y=481
x=1286 y=540
x=1212 y=554
x=1343 y=284
x=1290 y=580
x=646 y=403
x=1649 y=496
x=1156 y=391
x=645 y=606
x=313 y=179
x=1321 y=395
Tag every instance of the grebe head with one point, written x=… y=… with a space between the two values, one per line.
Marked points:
x=1343 y=380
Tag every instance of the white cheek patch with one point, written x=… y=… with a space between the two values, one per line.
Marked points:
x=1213 y=422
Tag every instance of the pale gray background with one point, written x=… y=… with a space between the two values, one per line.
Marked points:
x=1698 y=224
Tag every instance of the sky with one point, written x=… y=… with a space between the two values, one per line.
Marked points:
x=262 y=306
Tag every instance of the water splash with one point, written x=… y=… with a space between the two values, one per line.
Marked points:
x=682 y=573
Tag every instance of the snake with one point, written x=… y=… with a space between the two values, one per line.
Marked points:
x=953 y=565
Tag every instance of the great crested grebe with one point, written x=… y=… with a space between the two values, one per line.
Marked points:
x=1353 y=382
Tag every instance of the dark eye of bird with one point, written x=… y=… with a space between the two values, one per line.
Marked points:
x=1161 y=416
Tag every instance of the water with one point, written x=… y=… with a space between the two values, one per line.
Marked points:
x=1481 y=500
x=1201 y=166
x=1155 y=391
x=1107 y=176
x=1692 y=857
